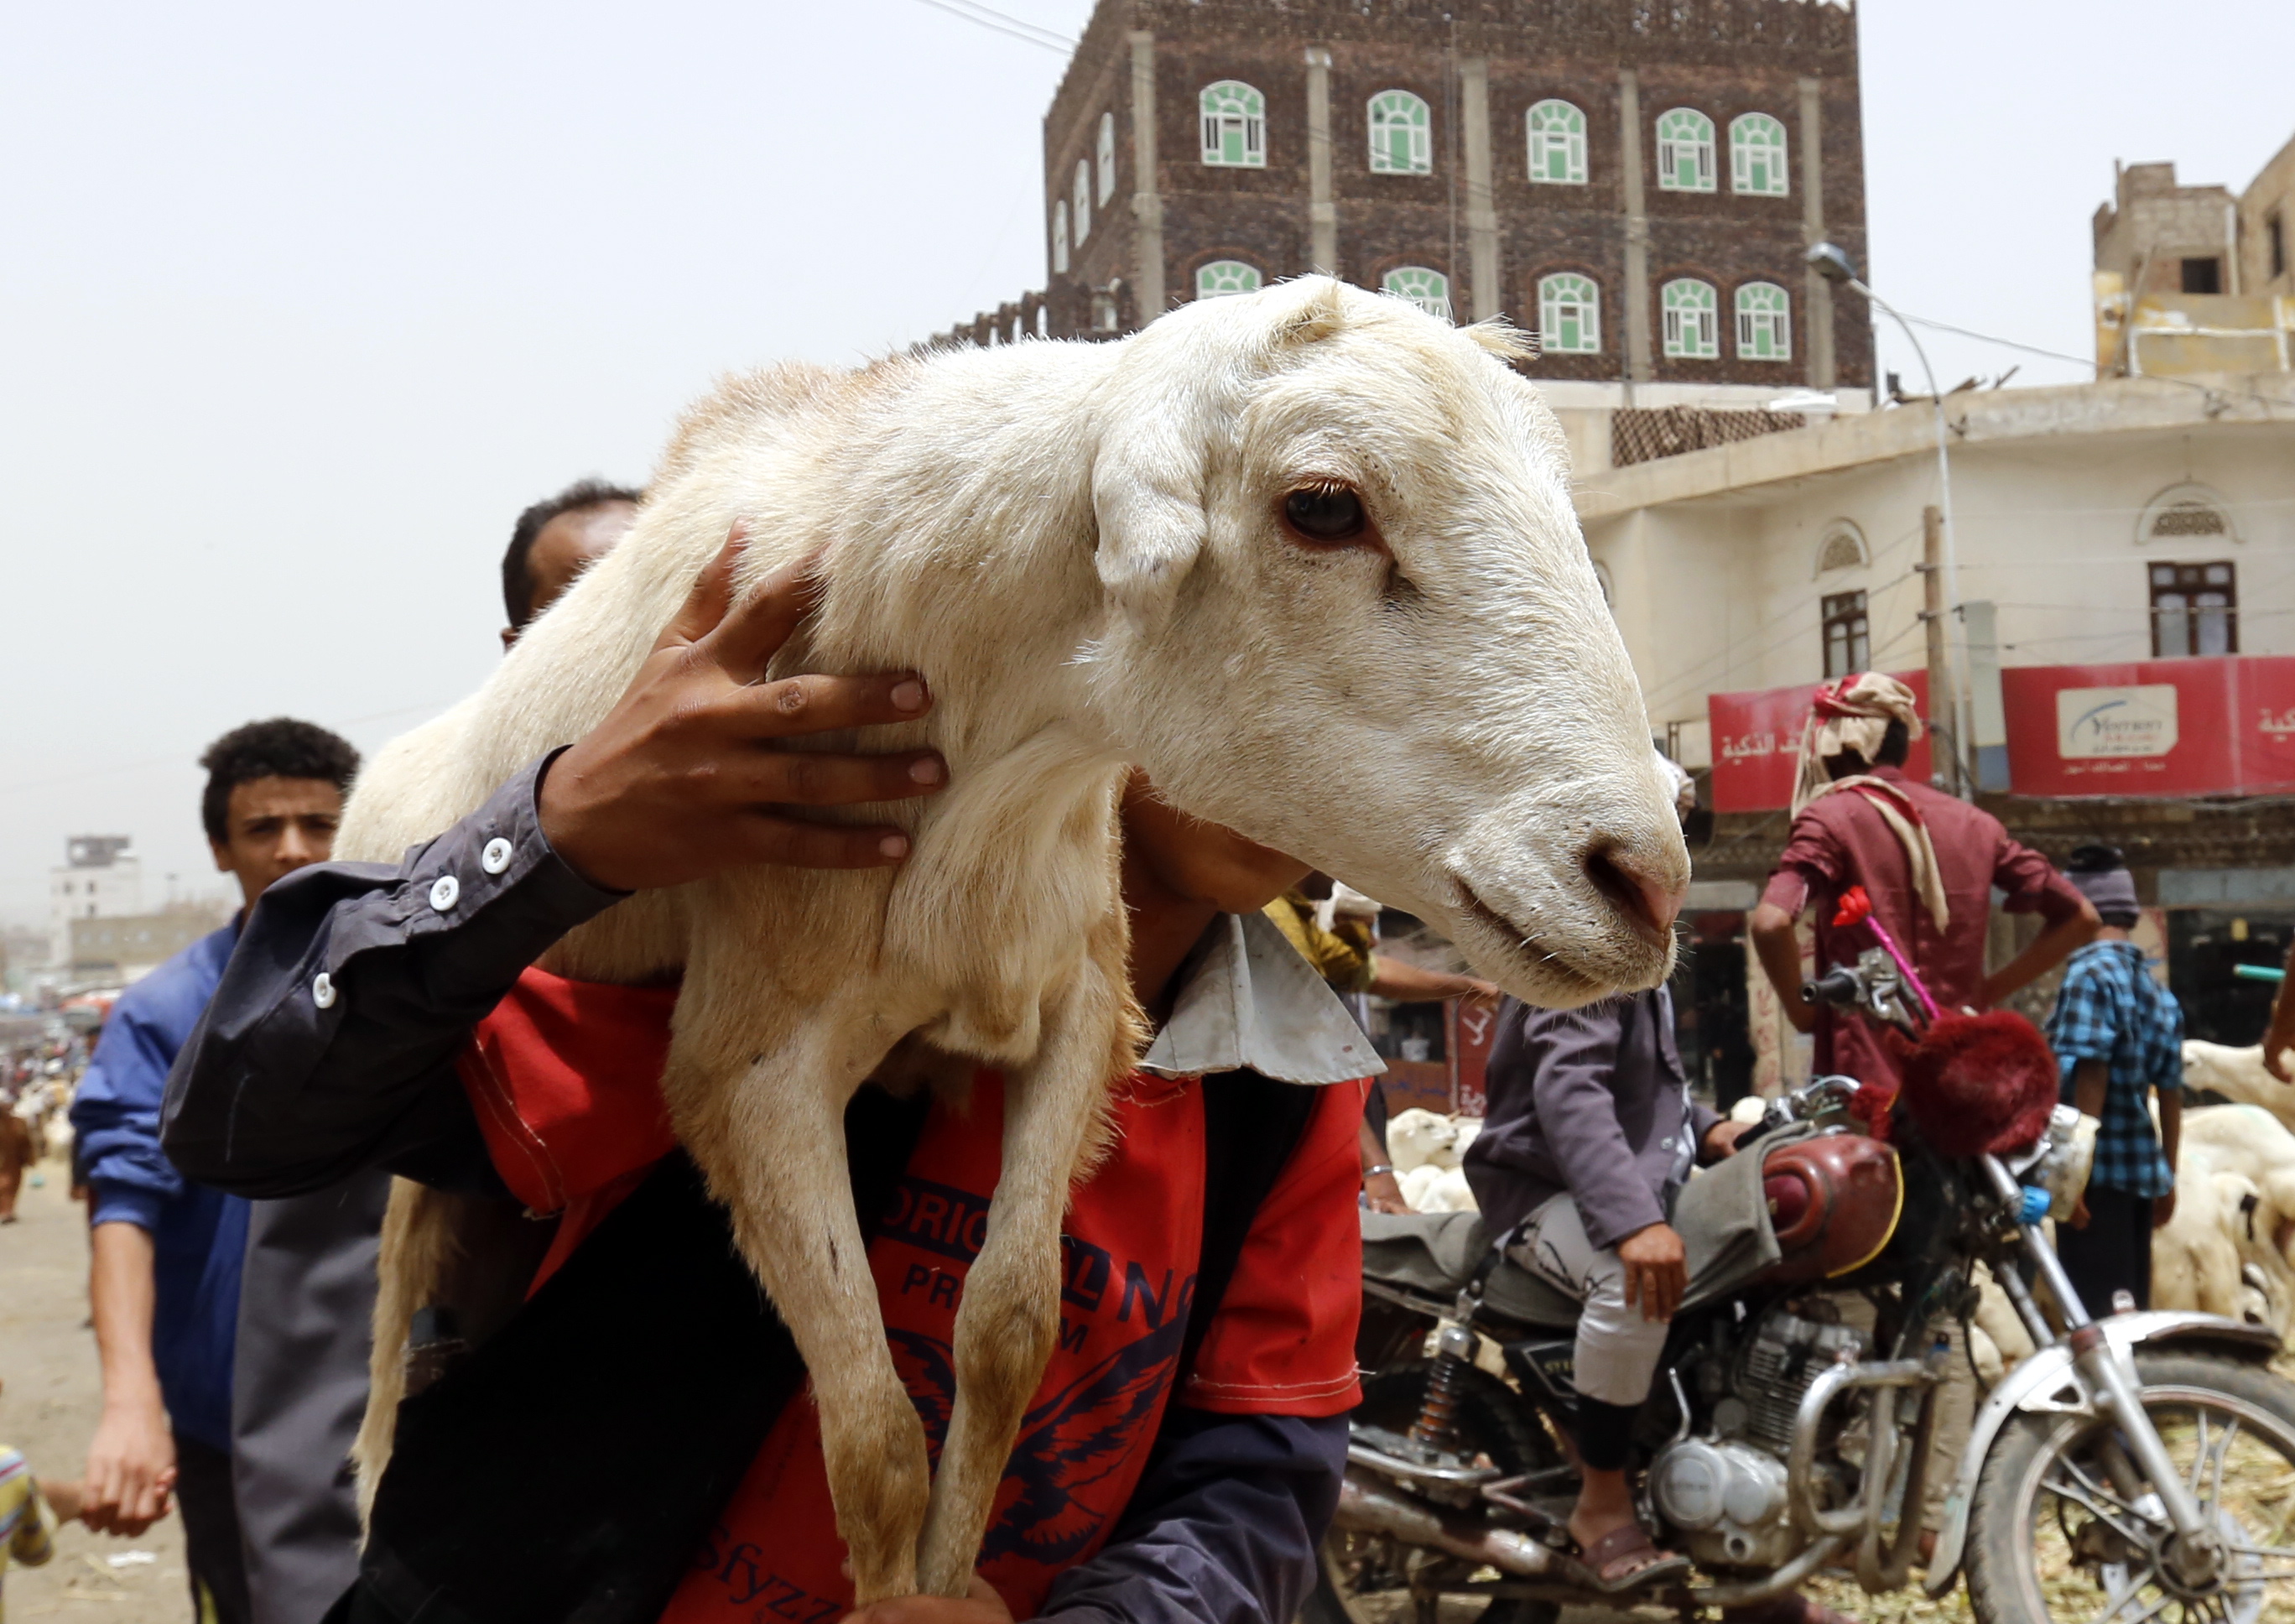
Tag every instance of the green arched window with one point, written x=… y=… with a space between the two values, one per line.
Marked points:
x=1106 y=157
x=1756 y=156
x=1082 y=201
x=1691 y=327
x=1764 y=322
x=1558 y=144
x=1060 y=238
x=1430 y=290
x=1225 y=276
x=1685 y=151
x=1401 y=135
x=1569 y=314
x=1234 y=125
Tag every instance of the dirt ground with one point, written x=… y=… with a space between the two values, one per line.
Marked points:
x=49 y=1397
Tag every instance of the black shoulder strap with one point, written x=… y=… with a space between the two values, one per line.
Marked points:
x=562 y=1473
x=1252 y=1126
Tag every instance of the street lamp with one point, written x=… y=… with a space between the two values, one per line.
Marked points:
x=1831 y=262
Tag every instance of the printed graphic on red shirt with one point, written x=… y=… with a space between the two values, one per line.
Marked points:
x=1128 y=1254
x=1130 y=1250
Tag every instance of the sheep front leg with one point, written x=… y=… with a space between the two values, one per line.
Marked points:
x=772 y=1148
x=1009 y=1317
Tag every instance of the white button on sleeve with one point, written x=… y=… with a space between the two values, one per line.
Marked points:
x=444 y=894
x=322 y=991
x=496 y=857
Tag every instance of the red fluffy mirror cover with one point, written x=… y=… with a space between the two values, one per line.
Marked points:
x=1980 y=1084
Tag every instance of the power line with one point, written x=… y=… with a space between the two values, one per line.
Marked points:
x=1004 y=22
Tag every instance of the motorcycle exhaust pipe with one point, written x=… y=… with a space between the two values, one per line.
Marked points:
x=1369 y=1507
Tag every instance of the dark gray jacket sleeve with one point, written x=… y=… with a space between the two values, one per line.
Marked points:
x=329 y=1048
x=1575 y=1059
x=1222 y=1529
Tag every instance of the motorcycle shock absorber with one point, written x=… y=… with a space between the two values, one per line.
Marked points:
x=1436 y=1429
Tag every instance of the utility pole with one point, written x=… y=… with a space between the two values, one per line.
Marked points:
x=1933 y=614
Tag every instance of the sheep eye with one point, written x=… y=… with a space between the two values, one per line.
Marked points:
x=1325 y=513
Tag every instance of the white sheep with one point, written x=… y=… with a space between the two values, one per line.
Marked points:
x=1433 y=1188
x=1271 y=544
x=1419 y=1138
x=2238 y=1076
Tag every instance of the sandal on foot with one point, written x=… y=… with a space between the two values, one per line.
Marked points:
x=1627 y=1559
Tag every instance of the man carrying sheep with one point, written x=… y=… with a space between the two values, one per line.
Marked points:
x=630 y=1438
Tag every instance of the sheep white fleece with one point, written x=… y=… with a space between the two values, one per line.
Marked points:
x=1082 y=547
x=2238 y=1076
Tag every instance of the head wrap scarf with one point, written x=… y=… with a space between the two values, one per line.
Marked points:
x=1854 y=713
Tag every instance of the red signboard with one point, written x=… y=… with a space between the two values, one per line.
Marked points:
x=1757 y=743
x=1471 y=1032
x=2151 y=728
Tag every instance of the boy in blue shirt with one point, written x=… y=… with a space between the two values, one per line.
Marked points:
x=163 y=1282
x=2118 y=1035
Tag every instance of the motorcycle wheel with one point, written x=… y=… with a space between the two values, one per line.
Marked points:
x=1356 y=1584
x=2056 y=1535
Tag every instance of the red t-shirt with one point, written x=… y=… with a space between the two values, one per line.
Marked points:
x=565 y=1079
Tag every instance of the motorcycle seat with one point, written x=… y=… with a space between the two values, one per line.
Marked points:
x=1722 y=1214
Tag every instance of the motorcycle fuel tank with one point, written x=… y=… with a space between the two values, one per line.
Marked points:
x=1835 y=1199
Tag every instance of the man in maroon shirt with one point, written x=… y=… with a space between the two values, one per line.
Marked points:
x=1929 y=862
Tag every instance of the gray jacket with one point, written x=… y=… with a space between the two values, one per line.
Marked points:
x=1590 y=1101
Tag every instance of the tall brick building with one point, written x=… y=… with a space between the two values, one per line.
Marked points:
x=1634 y=181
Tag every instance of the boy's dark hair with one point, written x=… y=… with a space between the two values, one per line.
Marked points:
x=517 y=579
x=279 y=748
x=2094 y=858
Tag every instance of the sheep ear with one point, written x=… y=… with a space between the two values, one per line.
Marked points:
x=1148 y=493
x=1318 y=312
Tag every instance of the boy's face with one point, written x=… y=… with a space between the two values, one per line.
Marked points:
x=275 y=826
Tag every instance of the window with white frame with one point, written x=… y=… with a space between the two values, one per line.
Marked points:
x=1756 y=156
x=1430 y=290
x=1401 y=135
x=1558 y=144
x=1685 y=151
x=1225 y=276
x=1082 y=201
x=1689 y=307
x=1234 y=125
x=1764 y=322
x=1569 y=314
x=1107 y=158
x=1059 y=238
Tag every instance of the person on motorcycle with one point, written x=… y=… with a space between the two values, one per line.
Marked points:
x=1928 y=862
x=1590 y=1133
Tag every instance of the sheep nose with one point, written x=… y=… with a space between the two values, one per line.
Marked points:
x=1646 y=903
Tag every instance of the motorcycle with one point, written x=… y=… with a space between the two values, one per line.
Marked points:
x=2137 y=1467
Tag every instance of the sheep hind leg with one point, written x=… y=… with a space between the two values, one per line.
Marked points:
x=1009 y=1317
x=772 y=1148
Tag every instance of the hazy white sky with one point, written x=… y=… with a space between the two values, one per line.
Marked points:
x=298 y=306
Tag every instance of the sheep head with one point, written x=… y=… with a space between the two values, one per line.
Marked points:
x=1349 y=612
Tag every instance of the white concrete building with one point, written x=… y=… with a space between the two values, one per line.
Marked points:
x=2125 y=520
x=99 y=879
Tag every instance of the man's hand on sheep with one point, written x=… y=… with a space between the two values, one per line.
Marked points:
x=685 y=778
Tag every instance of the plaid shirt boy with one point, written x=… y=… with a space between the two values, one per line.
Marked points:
x=2111 y=1011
